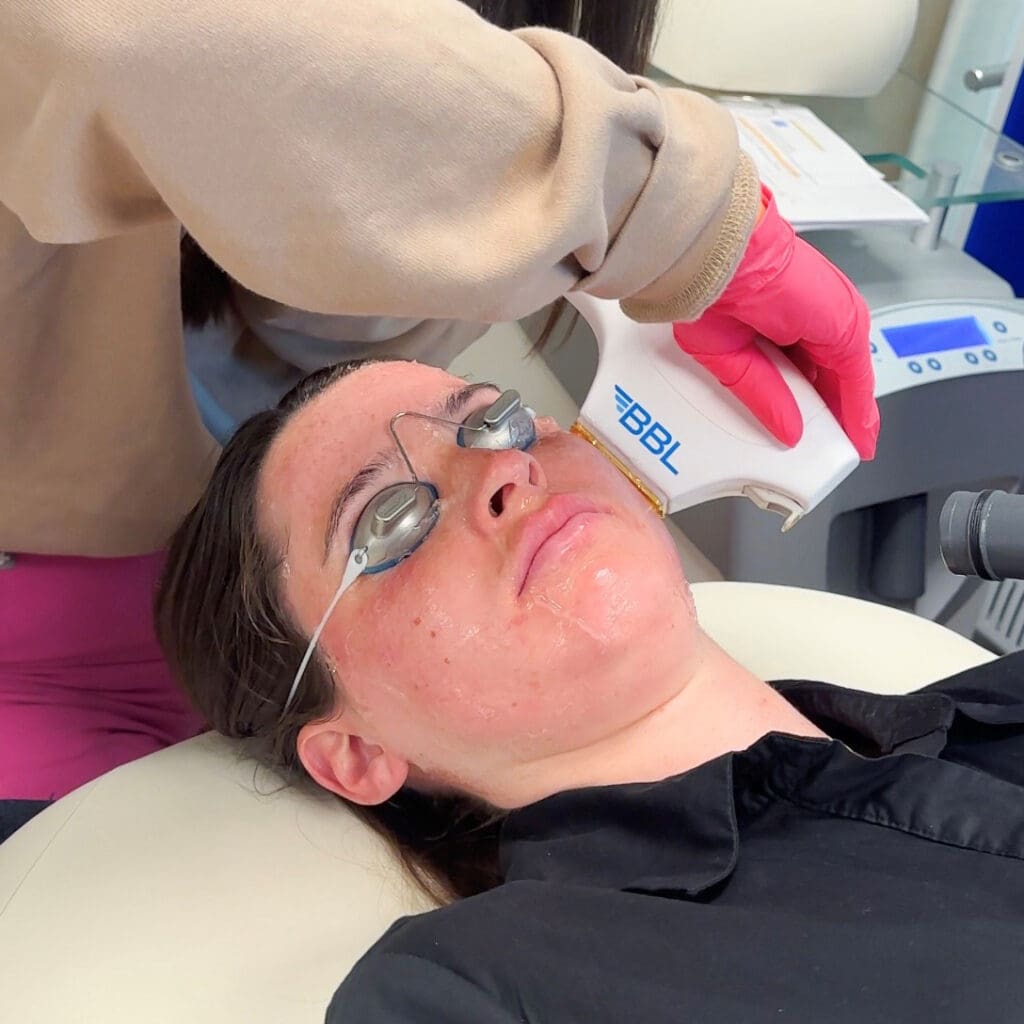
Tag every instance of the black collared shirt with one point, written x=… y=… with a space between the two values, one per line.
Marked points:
x=880 y=878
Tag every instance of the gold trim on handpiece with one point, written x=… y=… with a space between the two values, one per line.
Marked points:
x=655 y=502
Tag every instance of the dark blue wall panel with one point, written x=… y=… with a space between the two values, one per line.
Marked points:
x=997 y=231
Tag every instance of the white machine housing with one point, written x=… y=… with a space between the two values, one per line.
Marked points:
x=688 y=438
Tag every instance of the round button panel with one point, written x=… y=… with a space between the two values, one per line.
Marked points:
x=1001 y=324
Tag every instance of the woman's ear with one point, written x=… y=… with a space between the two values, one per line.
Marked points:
x=356 y=769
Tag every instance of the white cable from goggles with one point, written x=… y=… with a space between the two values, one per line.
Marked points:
x=353 y=569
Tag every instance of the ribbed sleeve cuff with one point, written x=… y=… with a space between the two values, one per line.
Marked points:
x=701 y=290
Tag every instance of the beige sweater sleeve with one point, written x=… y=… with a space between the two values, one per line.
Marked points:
x=362 y=157
x=370 y=157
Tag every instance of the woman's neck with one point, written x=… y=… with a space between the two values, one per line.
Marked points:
x=720 y=707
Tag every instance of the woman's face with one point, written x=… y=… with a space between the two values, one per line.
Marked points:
x=546 y=611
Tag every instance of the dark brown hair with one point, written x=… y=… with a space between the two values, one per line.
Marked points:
x=623 y=30
x=224 y=629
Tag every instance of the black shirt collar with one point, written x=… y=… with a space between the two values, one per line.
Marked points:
x=874 y=724
x=578 y=837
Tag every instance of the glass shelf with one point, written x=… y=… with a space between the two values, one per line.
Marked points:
x=941 y=128
x=909 y=127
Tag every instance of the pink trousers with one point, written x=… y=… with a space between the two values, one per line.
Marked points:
x=83 y=686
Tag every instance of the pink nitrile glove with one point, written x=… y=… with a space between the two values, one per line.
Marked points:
x=785 y=291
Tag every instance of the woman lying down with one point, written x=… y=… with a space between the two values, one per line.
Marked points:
x=510 y=681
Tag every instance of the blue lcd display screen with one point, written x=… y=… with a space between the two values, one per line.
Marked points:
x=935 y=336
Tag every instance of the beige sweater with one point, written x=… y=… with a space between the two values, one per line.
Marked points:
x=365 y=157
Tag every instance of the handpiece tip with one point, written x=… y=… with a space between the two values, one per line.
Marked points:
x=652 y=499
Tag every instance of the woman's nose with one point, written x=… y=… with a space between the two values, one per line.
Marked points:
x=487 y=486
x=498 y=485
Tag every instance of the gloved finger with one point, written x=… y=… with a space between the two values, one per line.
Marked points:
x=816 y=307
x=827 y=385
x=859 y=413
x=804 y=362
x=847 y=356
x=852 y=404
x=728 y=350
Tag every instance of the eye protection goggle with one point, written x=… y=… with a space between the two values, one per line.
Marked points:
x=399 y=518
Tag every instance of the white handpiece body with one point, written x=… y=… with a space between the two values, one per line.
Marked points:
x=688 y=438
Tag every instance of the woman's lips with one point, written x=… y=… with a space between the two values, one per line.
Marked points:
x=543 y=527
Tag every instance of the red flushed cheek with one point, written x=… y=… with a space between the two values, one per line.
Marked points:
x=456 y=694
x=416 y=651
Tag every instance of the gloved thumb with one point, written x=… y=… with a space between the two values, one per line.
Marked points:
x=728 y=349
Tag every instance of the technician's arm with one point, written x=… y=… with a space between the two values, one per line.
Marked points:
x=370 y=157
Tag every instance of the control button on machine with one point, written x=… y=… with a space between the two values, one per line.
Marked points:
x=971 y=357
x=915 y=366
x=874 y=349
x=990 y=355
x=1000 y=326
x=935 y=364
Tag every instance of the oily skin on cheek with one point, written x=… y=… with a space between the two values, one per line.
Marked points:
x=442 y=686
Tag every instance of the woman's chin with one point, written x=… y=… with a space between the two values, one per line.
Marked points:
x=610 y=600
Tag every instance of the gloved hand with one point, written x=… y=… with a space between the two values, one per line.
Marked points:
x=786 y=291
